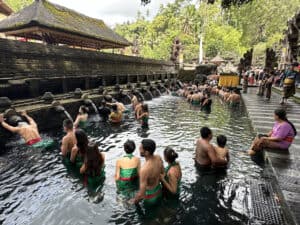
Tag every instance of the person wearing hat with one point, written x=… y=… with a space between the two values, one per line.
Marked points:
x=289 y=82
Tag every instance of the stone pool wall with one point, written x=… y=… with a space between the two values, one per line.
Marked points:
x=29 y=69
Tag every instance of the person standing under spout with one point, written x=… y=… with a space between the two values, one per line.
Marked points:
x=28 y=131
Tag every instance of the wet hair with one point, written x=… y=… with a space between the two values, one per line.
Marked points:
x=281 y=113
x=149 y=145
x=205 y=132
x=145 y=108
x=114 y=107
x=67 y=123
x=84 y=109
x=221 y=140
x=170 y=155
x=236 y=91
x=129 y=146
x=93 y=160
x=82 y=141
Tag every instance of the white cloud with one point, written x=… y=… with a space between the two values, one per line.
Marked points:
x=112 y=11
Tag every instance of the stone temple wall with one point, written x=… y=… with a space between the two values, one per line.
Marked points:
x=29 y=69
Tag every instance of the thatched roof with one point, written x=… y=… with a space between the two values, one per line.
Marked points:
x=5 y=9
x=55 y=24
x=217 y=59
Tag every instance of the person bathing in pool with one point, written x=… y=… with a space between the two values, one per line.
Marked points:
x=121 y=107
x=172 y=177
x=116 y=115
x=138 y=109
x=93 y=165
x=28 y=131
x=128 y=168
x=221 y=150
x=82 y=117
x=150 y=187
x=206 y=156
x=144 y=116
x=69 y=140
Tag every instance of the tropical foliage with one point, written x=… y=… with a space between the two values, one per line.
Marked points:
x=229 y=30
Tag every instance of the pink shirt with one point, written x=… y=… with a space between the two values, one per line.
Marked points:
x=284 y=131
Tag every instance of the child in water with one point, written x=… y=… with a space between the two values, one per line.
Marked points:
x=221 y=150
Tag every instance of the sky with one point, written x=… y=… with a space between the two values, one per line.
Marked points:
x=112 y=12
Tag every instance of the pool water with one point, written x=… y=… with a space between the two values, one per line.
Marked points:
x=37 y=188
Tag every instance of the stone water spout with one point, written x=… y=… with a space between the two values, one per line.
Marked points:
x=139 y=95
x=123 y=97
x=78 y=93
x=13 y=118
x=129 y=86
x=5 y=103
x=87 y=101
x=60 y=109
x=162 y=88
x=156 y=92
x=48 y=97
x=147 y=94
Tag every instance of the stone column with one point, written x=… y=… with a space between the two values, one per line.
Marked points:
x=64 y=85
x=34 y=87
x=87 y=83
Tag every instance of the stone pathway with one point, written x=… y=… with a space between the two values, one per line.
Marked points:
x=285 y=166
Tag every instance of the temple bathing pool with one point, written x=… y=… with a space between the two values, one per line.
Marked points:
x=37 y=188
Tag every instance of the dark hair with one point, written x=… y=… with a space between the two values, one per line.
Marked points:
x=67 y=123
x=93 y=160
x=236 y=91
x=170 y=155
x=129 y=146
x=82 y=141
x=149 y=145
x=114 y=107
x=281 y=113
x=103 y=102
x=145 y=108
x=221 y=141
x=84 y=109
x=205 y=132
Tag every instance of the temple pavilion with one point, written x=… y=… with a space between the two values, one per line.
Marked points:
x=54 y=24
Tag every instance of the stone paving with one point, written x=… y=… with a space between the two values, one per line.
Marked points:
x=285 y=166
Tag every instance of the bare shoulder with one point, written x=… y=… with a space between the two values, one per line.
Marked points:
x=158 y=158
x=144 y=171
x=137 y=159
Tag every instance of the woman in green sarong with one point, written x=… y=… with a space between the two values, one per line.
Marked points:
x=172 y=177
x=79 y=150
x=82 y=117
x=93 y=166
x=127 y=169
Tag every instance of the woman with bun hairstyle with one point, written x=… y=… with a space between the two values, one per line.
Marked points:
x=172 y=177
x=82 y=117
